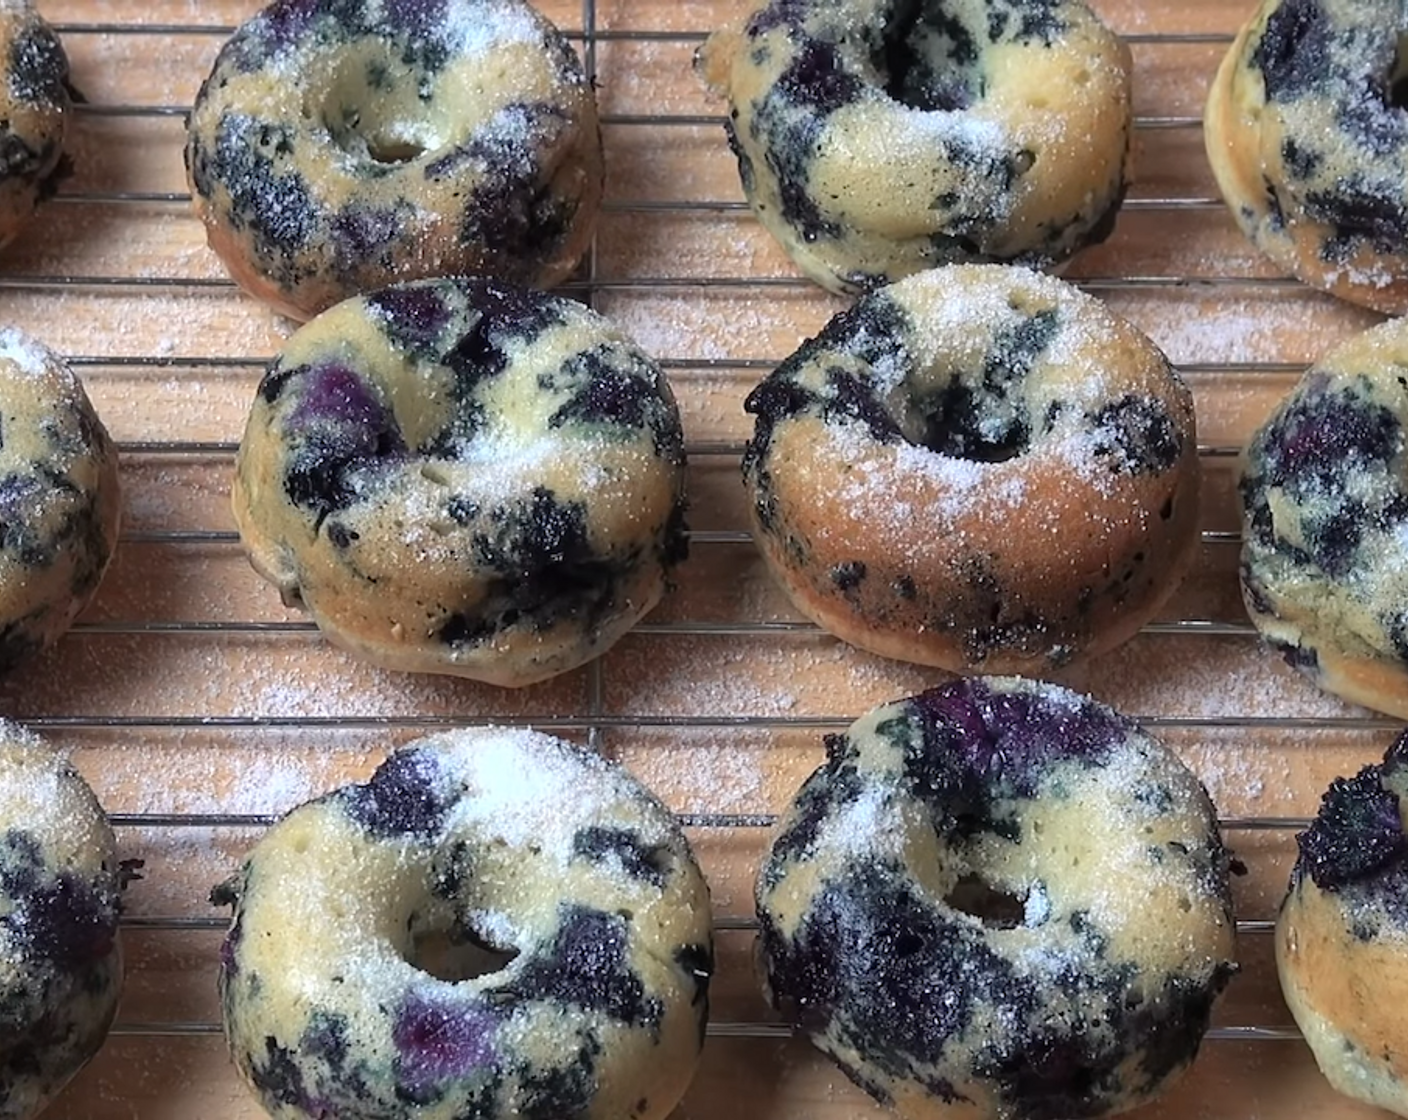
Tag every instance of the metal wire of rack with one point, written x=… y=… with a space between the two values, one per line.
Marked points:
x=592 y=282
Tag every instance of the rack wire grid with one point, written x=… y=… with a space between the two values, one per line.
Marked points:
x=200 y=709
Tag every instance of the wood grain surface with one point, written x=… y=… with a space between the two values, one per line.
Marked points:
x=188 y=690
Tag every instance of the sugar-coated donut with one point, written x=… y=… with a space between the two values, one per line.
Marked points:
x=978 y=467
x=60 y=958
x=35 y=104
x=1325 y=517
x=1342 y=939
x=999 y=900
x=461 y=477
x=1308 y=139
x=59 y=498
x=342 y=145
x=498 y=924
x=878 y=138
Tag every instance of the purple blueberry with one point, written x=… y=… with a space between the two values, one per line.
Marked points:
x=439 y=1039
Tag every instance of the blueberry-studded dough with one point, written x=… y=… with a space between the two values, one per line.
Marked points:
x=878 y=138
x=35 y=104
x=60 y=959
x=342 y=145
x=999 y=899
x=1342 y=934
x=978 y=467
x=497 y=924
x=1307 y=135
x=460 y=477
x=59 y=499
x=1325 y=518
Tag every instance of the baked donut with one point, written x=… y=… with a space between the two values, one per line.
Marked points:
x=999 y=899
x=876 y=139
x=59 y=498
x=35 y=102
x=60 y=959
x=1324 y=518
x=339 y=146
x=1307 y=136
x=1341 y=944
x=457 y=476
x=498 y=924
x=978 y=467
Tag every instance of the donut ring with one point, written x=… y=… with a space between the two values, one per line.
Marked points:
x=875 y=140
x=338 y=147
x=35 y=104
x=1340 y=945
x=978 y=467
x=60 y=502
x=1000 y=900
x=1324 y=512
x=60 y=957
x=1309 y=143
x=364 y=975
x=456 y=476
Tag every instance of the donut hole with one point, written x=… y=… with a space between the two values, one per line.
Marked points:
x=993 y=906
x=927 y=65
x=453 y=954
x=1398 y=75
x=973 y=423
x=376 y=118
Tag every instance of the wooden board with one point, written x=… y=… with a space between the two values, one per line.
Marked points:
x=187 y=690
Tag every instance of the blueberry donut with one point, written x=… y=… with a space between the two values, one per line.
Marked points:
x=60 y=959
x=35 y=104
x=1000 y=900
x=59 y=499
x=342 y=145
x=878 y=138
x=978 y=467
x=1324 y=518
x=456 y=476
x=498 y=924
x=1308 y=139
x=1341 y=938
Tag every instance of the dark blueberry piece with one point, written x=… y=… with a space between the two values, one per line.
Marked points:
x=1333 y=541
x=66 y=922
x=20 y=495
x=773 y=400
x=817 y=79
x=17 y=644
x=791 y=14
x=497 y=148
x=1016 y=347
x=340 y=535
x=1039 y=20
x=855 y=399
x=413 y=316
x=965 y=424
x=271 y=385
x=906 y=588
x=337 y=394
x=361 y=233
x=558 y=1092
x=849 y=575
x=279 y=1078
x=697 y=962
x=438 y=1041
x=896 y=976
x=588 y=966
x=276 y=206
x=828 y=790
x=978 y=742
x=408 y=795
x=619 y=387
x=1294 y=52
x=1360 y=211
x=325 y=1037
x=1301 y=162
x=674 y=548
x=926 y=56
x=1134 y=435
x=1321 y=435
x=1356 y=832
x=649 y=864
x=1372 y=123
x=747 y=175
x=1297 y=657
x=38 y=66
x=462 y=510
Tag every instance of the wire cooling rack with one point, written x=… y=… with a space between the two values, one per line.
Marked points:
x=1254 y=750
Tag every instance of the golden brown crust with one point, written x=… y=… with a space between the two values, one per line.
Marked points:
x=1064 y=548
